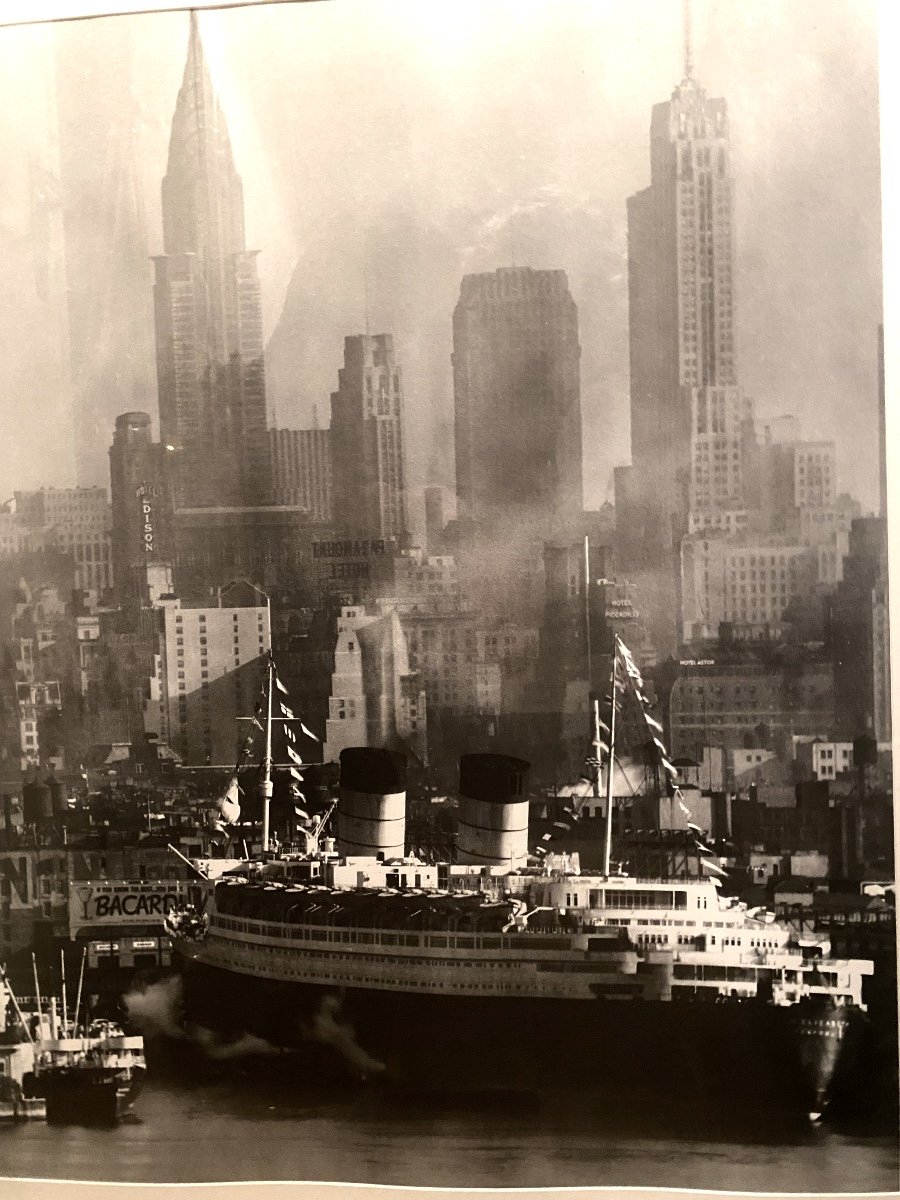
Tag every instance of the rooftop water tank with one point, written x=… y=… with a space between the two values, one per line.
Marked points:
x=37 y=802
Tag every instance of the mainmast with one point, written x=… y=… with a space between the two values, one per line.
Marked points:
x=610 y=760
x=265 y=775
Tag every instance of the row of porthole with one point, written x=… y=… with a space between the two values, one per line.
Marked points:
x=383 y=981
x=420 y=962
x=336 y=978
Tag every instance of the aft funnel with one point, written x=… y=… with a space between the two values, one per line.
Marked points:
x=492 y=827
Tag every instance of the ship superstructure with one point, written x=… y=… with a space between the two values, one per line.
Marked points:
x=406 y=925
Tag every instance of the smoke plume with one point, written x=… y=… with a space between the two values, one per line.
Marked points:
x=242 y=1047
x=157 y=1009
x=326 y=1028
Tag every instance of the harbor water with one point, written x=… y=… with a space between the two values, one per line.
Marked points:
x=185 y=1131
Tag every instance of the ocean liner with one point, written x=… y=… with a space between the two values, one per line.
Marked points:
x=508 y=969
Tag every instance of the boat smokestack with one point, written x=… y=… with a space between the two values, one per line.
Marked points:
x=371 y=811
x=492 y=827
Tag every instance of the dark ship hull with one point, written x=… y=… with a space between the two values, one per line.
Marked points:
x=86 y=1095
x=694 y=1059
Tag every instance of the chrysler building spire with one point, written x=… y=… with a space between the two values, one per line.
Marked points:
x=202 y=194
x=211 y=376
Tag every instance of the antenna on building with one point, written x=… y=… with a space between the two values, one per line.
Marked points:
x=366 y=294
x=688 y=47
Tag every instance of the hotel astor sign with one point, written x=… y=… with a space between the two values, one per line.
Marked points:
x=121 y=902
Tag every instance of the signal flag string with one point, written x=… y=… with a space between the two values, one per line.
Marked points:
x=585 y=785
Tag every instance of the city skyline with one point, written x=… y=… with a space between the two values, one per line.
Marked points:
x=209 y=342
x=402 y=715
x=540 y=229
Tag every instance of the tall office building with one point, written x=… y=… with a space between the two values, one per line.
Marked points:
x=301 y=470
x=518 y=404
x=859 y=635
x=209 y=343
x=207 y=664
x=688 y=418
x=376 y=699
x=368 y=473
x=110 y=318
x=75 y=522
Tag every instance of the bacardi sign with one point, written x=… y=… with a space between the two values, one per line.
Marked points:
x=121 y=902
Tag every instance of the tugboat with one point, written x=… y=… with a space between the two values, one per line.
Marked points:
x=57 y=1070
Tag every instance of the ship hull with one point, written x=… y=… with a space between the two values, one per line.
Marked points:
x=699 y=1057
x=82 y=1096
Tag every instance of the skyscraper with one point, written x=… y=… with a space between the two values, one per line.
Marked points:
x=110 y=320
x=688 y=417
x=368 y=473
x=518 y=402
x=209 y=344
x=301 y=470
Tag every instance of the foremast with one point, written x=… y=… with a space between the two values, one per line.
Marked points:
x=599 y=746
x=265 y=772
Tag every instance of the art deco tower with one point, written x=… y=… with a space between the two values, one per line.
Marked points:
x=209 y=346
x=369 y=485
x=687 y=414
x=517 y=398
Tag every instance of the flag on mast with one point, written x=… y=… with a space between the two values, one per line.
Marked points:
x=229 y=804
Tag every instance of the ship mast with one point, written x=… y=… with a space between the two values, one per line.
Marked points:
x=265 y=775
x=587 y=608
x=607 y=844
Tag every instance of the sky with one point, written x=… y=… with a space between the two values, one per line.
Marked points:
x=387 y=149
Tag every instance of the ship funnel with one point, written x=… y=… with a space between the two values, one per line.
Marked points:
x=371 y=811
x=492 y=827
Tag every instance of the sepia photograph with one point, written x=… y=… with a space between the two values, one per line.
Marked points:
x=445 y=691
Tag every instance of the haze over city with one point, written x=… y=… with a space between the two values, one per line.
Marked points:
x=387 y=151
